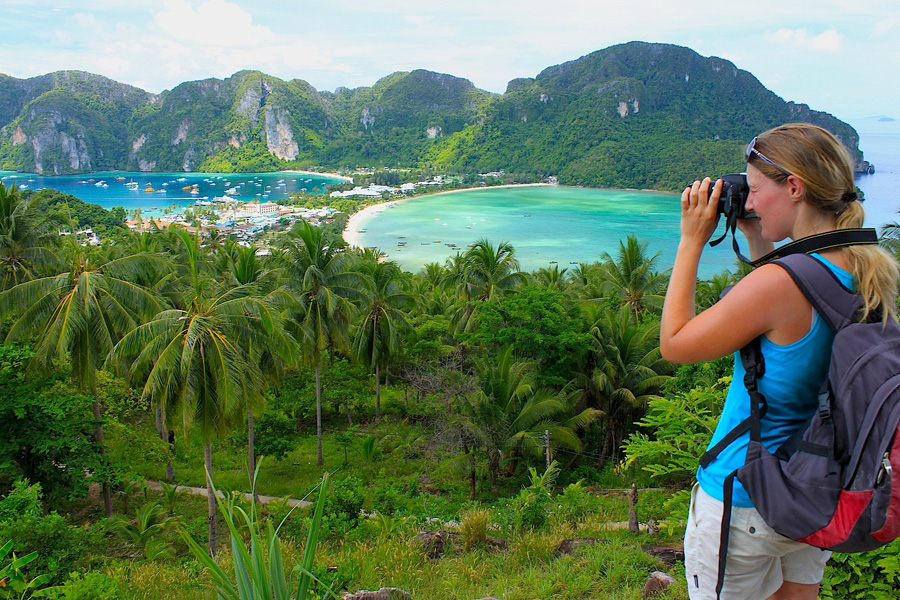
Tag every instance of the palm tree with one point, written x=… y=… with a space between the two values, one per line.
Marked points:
x=629 y=371
x=632 y=277
x=486 y=273
x=490 y=271
x=244 y=268
x=318 y=274
x=378 y=335
x=197 y=357
x=508 y=412
x=551 y=278
x=27 y=238
x=81 y=313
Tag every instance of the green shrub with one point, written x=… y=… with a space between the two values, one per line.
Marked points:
x=23 y=501
x=871 y=575
x=93 y=585
x=61 y=549
x=343 y=506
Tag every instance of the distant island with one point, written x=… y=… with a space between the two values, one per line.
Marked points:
x=635 y=115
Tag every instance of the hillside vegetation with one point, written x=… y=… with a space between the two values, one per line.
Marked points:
x=633 y=115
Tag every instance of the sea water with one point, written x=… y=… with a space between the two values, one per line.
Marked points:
x=168 y=189
x=558 y=225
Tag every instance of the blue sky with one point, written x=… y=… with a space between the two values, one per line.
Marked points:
x=834 y=55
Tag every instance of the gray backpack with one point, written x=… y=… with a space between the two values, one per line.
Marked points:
x=832 y=484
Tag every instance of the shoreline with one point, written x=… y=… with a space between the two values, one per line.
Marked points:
x=358 y=219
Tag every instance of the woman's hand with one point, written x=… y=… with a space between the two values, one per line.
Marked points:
x=699 y=212
x=752 y=230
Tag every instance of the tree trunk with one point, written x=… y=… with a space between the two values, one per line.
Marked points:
x=211 y=498
x=251 y=454
x=98 y=437
x=349 y=416
x=377 y=393
x=387 y=374
x=320 y=460
x=164 y=436
x=494 y=469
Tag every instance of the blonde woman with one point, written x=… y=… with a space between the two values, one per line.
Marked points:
x=801 y=183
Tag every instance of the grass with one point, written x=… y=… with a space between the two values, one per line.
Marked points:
x=406 y=479
x=614 y=569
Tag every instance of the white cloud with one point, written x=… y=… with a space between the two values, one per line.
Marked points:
x=211 y=23
x=886 y=25
x=827 y=41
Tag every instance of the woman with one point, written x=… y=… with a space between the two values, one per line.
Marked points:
x=801 y=183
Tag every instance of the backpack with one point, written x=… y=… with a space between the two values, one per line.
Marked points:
x=830 y=485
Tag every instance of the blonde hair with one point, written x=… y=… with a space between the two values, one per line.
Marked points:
x=823 y=164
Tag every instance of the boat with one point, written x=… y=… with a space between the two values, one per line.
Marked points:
x=187 y=188
x=132 y=185
x=149 y=188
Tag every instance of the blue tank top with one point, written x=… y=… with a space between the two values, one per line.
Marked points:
x=794 y=373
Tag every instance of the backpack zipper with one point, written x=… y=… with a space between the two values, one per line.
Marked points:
x=886 y=468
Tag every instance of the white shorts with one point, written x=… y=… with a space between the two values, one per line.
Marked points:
x=759 y=560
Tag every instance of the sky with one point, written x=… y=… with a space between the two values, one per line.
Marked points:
x=837 y=56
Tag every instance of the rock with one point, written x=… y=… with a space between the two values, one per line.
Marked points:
x=433 y=542
x=657 y=582
x=571 y=546
x=496 y=544
x=382 y=594
x=665 y=553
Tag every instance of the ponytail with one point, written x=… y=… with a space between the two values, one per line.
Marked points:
x=874 y=270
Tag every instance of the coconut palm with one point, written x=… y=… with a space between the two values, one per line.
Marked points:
x=197 y=357
x=631 y=275
x=509 y=412
x=27 y=238
x=81 y=313
x=551 y=278
x=629 y=371
x=245 y=268
x=378 y=336
x=318 y=274
x=487 y=272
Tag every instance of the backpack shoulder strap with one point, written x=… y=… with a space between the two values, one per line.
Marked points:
x=836 y=304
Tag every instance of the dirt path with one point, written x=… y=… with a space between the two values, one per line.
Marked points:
x=201 y=491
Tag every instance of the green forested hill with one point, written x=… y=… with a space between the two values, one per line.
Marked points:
x=633 y=115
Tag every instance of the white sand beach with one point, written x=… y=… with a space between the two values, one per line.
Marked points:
x=358 y=219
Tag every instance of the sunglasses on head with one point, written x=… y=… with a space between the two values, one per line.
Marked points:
x=751 y=150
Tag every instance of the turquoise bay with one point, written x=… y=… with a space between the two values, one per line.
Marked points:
x=109 y=189
x=547 y=224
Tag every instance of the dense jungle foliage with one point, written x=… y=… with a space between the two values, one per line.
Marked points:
x=434 y=399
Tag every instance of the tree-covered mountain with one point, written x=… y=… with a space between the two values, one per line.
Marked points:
x=632 y=115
